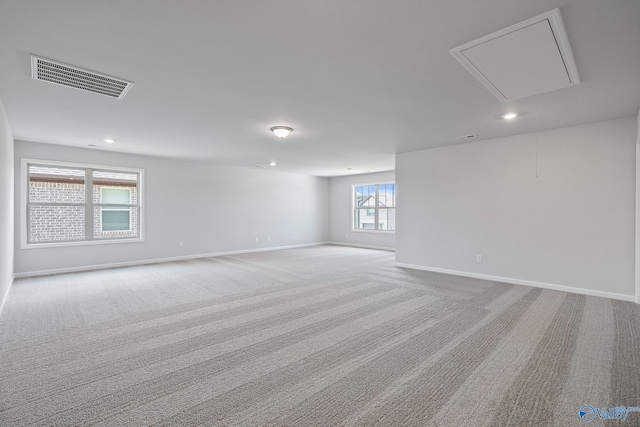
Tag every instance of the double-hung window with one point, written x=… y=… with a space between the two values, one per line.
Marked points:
x=374 y=207
x=66 y=203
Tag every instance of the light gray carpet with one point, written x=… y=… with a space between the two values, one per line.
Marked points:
x=315 y=336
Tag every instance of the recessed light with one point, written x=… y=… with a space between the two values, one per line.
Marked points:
x=109 y=140
x=272 y=164
x=510 y=116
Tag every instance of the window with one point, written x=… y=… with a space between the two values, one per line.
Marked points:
x=80 y=204
x=374 y=207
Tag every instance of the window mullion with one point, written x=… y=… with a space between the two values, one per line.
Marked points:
x=29 y=239
x=88 y=208
x=377 y=204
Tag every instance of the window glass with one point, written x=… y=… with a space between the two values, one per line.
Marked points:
x=116 y=196
x=56 y=185
x=49 y=223
x=116 y=220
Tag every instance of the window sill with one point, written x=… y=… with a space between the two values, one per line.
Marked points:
x=374 y=231
x=79 y=243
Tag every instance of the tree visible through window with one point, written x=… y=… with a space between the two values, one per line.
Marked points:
x=374 y=207
x=74 y=203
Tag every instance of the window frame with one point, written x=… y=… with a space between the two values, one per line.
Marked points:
x=354 y=208
x=24 y=202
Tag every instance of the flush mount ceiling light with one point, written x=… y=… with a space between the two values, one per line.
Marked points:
x=281 y=131
x=272 y=164
x=109 y=140
x=510 y=116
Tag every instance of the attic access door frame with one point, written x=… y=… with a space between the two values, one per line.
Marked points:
x=525 y=59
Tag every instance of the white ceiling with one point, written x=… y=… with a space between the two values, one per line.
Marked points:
x=358 y=80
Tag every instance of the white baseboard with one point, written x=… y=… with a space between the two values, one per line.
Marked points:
x=157 y=260
x=355 y=245
x=561 y=288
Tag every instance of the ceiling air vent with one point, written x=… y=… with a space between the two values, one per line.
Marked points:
x=522 y=60
x=78 y=78
x=465 y=137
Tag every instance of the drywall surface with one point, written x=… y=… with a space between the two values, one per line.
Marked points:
x=210 y=208
x=637 y=254
x=341 y=211
x=555 y=207
x=6 y=206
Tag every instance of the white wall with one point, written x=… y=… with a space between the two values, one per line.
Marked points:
x=341 y=212
x=637 y=254
x=556 y=208
x=6 y=207
x=211 y=208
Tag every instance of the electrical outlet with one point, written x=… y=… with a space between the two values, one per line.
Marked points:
x=180 y=244
x=257 y=240
x=268 y=239
x=478 y=258
x=346 y=234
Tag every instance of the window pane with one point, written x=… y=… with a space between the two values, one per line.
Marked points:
x=111 y=222
x=56 y=185
x=116 y=220
x=359 y=195
x=56 y=223
x=387 y=196
x=372 y=196
x=365 y=196
x=117 y=196
x=382 y=196
x=369 y=200
x=386 y=219
x=105 y=182
x=390 y=190
x=108 y=177
x=365 y=219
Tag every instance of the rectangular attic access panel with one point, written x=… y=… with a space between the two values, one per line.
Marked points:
x=522 y=60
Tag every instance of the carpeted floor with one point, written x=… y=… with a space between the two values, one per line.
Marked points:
x=309 y=337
